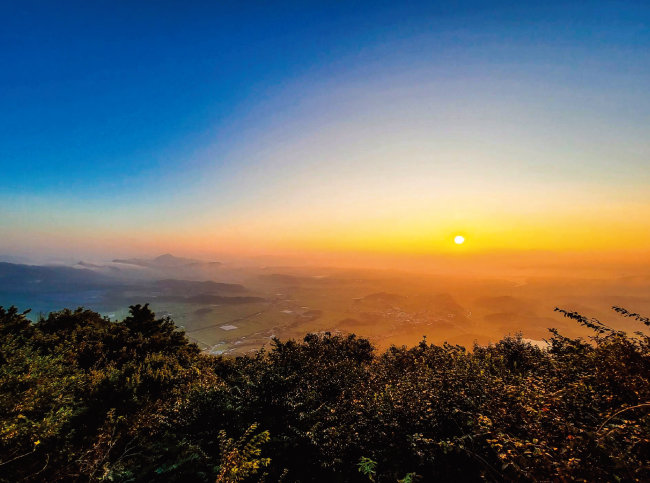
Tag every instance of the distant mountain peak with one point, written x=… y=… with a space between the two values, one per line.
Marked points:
x=166 y=260
x=169 y=260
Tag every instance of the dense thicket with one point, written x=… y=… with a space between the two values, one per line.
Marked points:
x=83 y=398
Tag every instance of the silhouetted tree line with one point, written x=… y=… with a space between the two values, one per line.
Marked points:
x=83 y=399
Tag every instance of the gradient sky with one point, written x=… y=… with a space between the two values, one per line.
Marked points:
x=238 y=127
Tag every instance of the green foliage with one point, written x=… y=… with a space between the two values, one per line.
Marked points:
x=241 y=459
x=408 y=478
x=367 y=467
x=83 y=398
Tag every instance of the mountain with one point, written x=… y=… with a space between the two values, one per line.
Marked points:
x=383 y=298
x=193 y=287
x=33 y=278
x=14 y=259
x=107 y=288
x=206 y=299
x=163 y=261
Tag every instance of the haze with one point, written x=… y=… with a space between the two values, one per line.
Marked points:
x=327 y=155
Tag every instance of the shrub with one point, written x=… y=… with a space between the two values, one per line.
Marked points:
x=84 y=399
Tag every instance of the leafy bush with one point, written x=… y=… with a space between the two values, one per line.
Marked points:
x=85 y=399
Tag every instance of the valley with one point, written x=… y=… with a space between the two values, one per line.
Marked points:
x=232 y=310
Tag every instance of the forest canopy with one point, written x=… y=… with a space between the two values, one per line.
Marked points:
x=83 y=398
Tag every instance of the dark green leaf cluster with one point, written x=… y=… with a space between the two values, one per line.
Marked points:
x=85 y=399
x=80 y=394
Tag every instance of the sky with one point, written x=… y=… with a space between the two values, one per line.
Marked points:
x=243 y=128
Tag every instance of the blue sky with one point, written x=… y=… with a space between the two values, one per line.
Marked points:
x=146 y=112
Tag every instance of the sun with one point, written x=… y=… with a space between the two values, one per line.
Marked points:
x=459 y=239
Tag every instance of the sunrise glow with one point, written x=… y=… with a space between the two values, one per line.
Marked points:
x=325 y=240
x=364 y=147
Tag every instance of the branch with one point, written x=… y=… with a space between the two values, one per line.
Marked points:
x=619 y=412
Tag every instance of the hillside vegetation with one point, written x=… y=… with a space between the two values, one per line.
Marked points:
x=85 y=399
